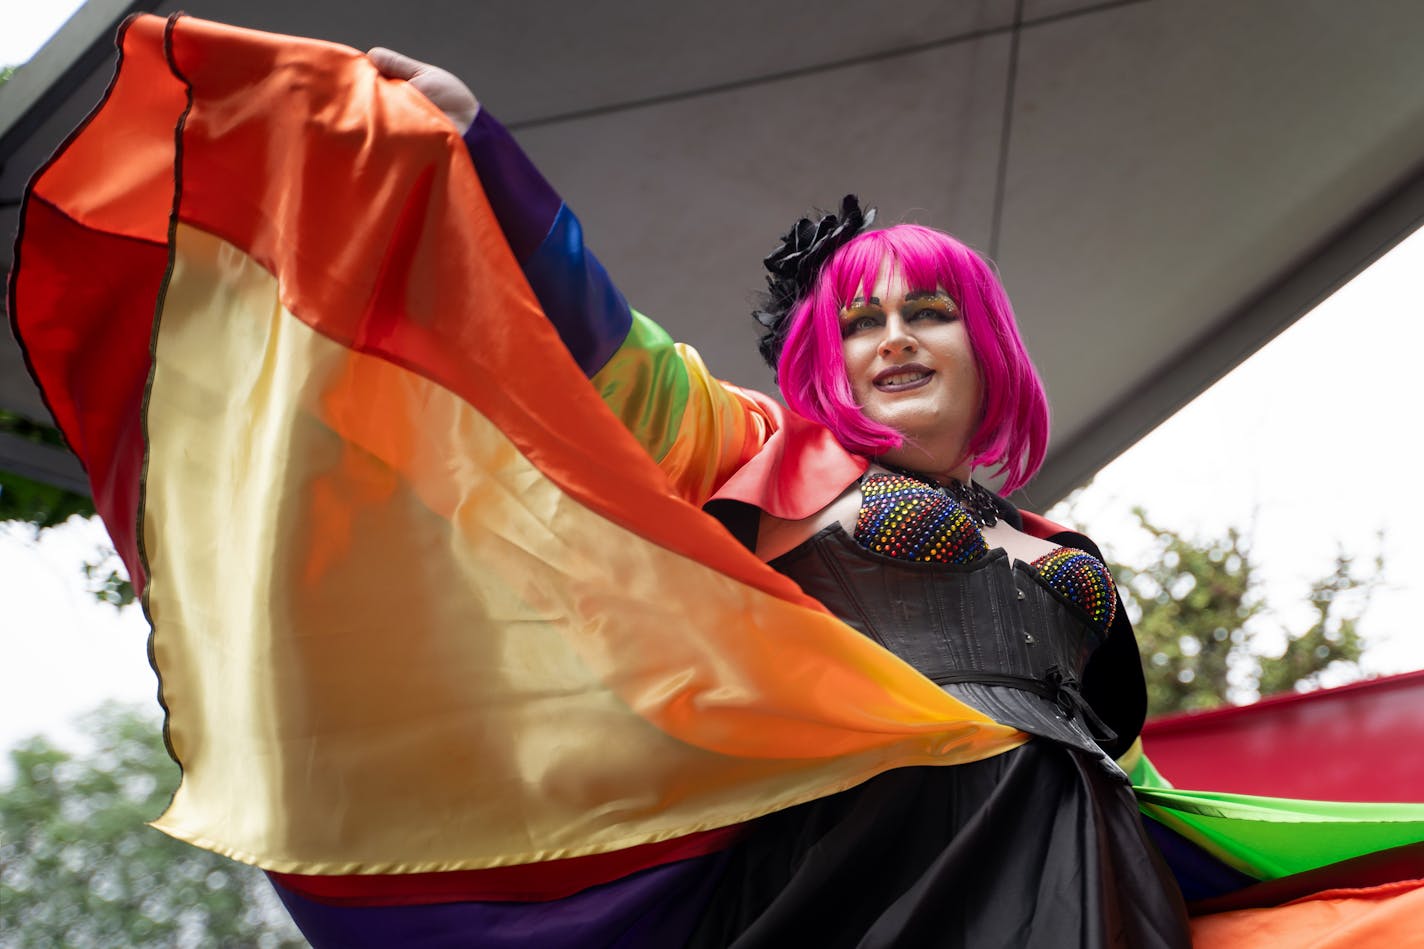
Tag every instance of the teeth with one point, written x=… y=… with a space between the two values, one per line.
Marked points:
x=902 y=378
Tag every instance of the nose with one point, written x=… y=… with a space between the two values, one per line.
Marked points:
x=897 y=337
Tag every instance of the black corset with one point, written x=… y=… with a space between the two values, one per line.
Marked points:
x=991 y=633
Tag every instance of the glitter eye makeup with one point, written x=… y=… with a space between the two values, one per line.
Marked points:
x=863 y=313
x=937 y=298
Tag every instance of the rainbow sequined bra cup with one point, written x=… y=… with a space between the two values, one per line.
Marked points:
x=907 y=519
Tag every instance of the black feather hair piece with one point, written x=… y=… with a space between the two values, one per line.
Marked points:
x=793 y=266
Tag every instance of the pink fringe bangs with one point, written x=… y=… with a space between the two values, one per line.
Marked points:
x=1013 y=433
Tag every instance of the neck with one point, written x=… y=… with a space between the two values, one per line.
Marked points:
x=923 y=466
x=946 y=479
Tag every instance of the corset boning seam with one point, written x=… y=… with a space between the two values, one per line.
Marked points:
x=978 y=648
x=847 y=591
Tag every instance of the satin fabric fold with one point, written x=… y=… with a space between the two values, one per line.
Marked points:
x=1379 y=917
x=419 y=601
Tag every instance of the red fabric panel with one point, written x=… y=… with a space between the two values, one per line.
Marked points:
x=530 y=882
x=1356 y=743
x=85 y=333
x=1036 y=525
x=86 y=278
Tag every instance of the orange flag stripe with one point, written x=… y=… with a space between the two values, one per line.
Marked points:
x=385 y=582
x=1381 y=917
x=256 y=178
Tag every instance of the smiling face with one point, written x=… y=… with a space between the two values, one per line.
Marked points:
x=911 y=367
x=983 y=393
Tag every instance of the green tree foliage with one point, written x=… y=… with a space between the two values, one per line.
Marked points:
x=1196 y=604
x=1333 y=638
x=21 y=499
x=79 y=866
x=42 y=505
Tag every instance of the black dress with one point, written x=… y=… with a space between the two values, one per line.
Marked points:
x=1038 y=847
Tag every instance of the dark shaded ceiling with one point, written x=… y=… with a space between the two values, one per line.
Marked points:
x=1165 y=184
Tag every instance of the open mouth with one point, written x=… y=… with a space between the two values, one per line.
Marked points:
x=902 y=378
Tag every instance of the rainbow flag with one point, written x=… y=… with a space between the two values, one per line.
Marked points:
x=420 y=601
x=423 y=598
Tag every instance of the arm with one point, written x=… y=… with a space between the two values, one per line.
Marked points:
x=698 y=430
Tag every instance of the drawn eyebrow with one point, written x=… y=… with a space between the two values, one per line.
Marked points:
x=929 y=295
x=859 y=304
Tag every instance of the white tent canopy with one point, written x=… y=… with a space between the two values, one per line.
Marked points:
x=1165 y=184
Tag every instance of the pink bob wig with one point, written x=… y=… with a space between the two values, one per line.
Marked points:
x=1013 y=428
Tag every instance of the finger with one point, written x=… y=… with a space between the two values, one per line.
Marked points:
x=394 y=65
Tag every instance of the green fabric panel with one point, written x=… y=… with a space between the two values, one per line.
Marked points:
x=1274 y=837
x=646 y=385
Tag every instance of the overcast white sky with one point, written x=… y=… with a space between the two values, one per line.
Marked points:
x=1300 y=447
x=26 y=24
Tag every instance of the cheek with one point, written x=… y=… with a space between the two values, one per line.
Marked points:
x=963 y=356
x=856 y=366
x=976 y=379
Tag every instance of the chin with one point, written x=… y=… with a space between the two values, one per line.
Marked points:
x=914 y=423
x=932 y=442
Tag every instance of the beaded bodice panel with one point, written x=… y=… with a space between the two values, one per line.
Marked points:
x=908 y=519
